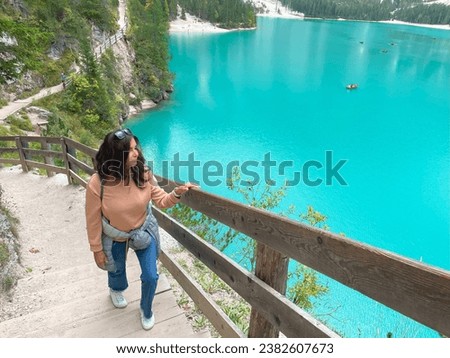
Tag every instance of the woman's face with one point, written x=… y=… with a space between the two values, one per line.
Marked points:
x=133 y=154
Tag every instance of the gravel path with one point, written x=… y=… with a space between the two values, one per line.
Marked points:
x=51 y=230
x=51 y=220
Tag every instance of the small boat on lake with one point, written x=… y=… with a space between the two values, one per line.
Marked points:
x=352 y=86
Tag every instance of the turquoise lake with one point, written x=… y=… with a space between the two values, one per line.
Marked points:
x=279 y=91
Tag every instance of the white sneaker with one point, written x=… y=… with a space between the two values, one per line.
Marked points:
x=147 y=323
x=117 y=298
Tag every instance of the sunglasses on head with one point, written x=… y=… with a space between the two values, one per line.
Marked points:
x=122 y=133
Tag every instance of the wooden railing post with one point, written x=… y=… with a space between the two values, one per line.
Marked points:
x=73 y=152
x=22 y=155
x=272 y=268
x=48 y=159
x=66 y=160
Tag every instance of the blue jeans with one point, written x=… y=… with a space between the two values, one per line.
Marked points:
x=117 y=281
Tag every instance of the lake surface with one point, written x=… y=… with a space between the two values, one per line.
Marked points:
x=274 y=102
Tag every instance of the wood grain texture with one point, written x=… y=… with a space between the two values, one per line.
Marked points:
x=276 y=308
x=271 y=267
x=210 y=309
x=412 y=288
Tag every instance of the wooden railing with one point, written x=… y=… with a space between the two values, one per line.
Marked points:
x=109 y=42
x=73 y=157
x=410 y=287
x=99 y=50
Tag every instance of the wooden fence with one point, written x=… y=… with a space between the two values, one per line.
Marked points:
x=410 y=287
x=110 y=41
x=98 y=51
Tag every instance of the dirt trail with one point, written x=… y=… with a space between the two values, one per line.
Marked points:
x=51 y=231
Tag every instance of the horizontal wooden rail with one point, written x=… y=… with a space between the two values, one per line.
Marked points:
x=410 y=287
x=281 y=312
x=81 y=147
x=10 y=161
x=66 y=147
x=8 y=150
x=7 y=138
x=53 y=168
x=48 y=153
x=77 y=178
x=42 y=140
x=221 y=322
x=80 y=164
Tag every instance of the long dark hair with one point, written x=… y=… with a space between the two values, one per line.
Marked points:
x=112 y=157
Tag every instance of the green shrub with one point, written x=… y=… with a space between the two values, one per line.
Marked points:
x=51 y=70
x=4 y=254
x=26 y=94
x=7 y=283
x=22 y=123
x=14 y=130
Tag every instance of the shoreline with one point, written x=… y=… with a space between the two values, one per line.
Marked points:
x=398 y=22
x=200 y=26
x=195 y=25
x=192 y=24
x=391 y=22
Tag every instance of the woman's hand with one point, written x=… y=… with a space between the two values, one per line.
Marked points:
x=180 y=190
x=100 y=259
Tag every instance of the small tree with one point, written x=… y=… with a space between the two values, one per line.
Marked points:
x=305 y=284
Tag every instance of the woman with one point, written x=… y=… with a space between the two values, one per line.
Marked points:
x=120 y=193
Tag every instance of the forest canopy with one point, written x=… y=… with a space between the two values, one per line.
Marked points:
x=373 y=10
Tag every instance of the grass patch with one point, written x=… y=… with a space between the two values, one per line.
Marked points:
x=4 y=254
x=21 y=122
x=234 y=306
x=13 y=221
x=10 y=130
x=8 y=283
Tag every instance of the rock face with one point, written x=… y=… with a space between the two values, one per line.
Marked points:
x=18 y=5
x=40 y=112
x=125 y=57
x=38 y=118
x=98 y=36
x=148 y=104
x=132 y=102
x=28 y=83
x=60 y=44
x=9 y=260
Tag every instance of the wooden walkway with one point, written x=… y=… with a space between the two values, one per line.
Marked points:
x=17 y=105
x=78 y=305
x=62 y=293
x=50 y=224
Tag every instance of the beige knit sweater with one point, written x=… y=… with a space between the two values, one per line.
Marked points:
x=125 y=206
